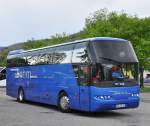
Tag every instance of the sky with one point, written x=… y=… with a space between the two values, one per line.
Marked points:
x=22 y=20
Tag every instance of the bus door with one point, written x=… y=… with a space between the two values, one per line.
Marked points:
x=84 y=87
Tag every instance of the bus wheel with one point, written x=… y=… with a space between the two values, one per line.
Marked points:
x=64 y=103
x=21 y=97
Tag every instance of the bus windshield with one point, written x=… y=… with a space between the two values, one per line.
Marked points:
x=112 y=74
x=116 y=64
x=114 y=50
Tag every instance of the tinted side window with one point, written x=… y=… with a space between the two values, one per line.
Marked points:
x=49 y=55
x=40 y=57
x=16 y=62
x=80 y=54
x=11 y=63
x=63 y=54
x=36 y=59
x=32 y=58
x=21 y=61
x=84 y=75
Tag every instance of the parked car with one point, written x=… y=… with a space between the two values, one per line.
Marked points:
x=147 y=78
x=3 y=77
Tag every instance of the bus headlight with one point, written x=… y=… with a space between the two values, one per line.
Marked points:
x=135 y=95
x=103 y=97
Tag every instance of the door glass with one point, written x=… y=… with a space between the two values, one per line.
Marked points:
x=80 y=54
x=84 y=75
x=76 y=72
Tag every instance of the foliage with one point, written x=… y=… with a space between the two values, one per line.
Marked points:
x=3 y=55
x=55 y=39
x=121 y=25
x=145 y=89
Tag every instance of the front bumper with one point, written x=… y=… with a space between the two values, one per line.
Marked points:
x=103 y=105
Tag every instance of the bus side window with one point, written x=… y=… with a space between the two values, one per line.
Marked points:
x=84 y=75
x=76 y=72
x=81 y=58
x=80 y=54
x=16 y=62
x=49 y=54
x=40 y=57
x=63 y=54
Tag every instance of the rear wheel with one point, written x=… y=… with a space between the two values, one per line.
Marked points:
x=64 y=103
x=21 y=97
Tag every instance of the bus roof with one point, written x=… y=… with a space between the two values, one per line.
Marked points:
x=107 y=38
x=83 y=40
x=76 y=41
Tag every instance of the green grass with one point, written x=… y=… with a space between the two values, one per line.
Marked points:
x=145 y=89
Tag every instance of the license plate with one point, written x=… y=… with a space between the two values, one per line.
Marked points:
x=120 y=106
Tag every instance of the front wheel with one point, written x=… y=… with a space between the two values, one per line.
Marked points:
x=21 y=97
x=64 y=103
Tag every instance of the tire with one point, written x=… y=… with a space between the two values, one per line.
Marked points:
x=21 y=96
x=64 y=103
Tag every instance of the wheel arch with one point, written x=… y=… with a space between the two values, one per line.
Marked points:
x=62 y=92
x=20 y=88
x=59 y=94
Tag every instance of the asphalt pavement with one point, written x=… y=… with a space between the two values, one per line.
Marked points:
x=13 y=113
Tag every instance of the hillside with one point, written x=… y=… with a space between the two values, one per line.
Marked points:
x=31 y=44
x=1 y=48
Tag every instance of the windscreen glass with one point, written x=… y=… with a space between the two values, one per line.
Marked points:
x=114 y=50
x=109 y=74
x=116 y=64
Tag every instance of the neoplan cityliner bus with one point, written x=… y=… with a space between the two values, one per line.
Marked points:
x=92 y=75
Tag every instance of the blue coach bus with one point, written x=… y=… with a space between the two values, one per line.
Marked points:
x=92 y=75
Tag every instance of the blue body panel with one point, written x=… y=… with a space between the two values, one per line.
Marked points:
x=117 y=95
x=43 y=84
